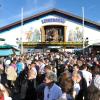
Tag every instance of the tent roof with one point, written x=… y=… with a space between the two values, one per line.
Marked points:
x=7 y=46
x=96 y=44
x=6 y=52
x=67 y=15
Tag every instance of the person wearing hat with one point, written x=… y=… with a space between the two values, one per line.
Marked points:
x=52 y=91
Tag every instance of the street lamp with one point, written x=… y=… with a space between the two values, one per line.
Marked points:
x=18 y=41
x=86 y=41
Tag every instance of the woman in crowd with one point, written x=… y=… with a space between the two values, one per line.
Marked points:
x=80 y=86
x=11 y=76
x=94 y=88
x=4 y=95
x=76 y=79
x=63 y=76
x=31 y=89
x=67 y=89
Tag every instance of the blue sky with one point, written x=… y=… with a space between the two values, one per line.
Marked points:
x=10 y=10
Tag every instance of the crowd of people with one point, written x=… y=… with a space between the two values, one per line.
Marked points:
x=50 y=76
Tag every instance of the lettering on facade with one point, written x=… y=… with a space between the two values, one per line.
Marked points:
x=60 y=20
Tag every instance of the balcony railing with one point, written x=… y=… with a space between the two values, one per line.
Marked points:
x=45 y=44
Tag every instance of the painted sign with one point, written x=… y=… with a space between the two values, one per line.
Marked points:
x=75 y=35
x=33 y=35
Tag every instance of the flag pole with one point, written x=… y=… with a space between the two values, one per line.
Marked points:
x=83 y=27
x=21 y=30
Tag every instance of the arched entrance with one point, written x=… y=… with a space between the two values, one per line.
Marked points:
x=53 y=33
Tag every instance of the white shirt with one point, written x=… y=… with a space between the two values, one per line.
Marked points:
x=88 y=77
x=76 y=87
x=41 y=69
x=63 y=97
x=7 y=98
x=54 y=93
x=35 y=71
x=32 y=73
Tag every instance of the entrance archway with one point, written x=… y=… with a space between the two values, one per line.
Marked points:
x=53 y=33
